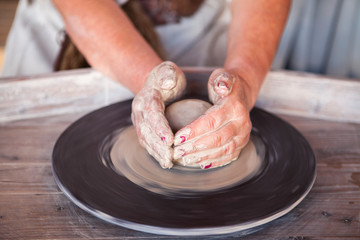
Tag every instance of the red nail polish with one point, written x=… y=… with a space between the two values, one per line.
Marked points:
x=181 y=152
x=222 y=84
x=208 y=166
x=183 y=139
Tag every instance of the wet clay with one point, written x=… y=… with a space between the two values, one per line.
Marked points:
x=132 y=161
x=182 y=113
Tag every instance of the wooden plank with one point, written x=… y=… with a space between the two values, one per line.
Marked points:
x=32 y=140
x=51 y=217
x=27 y=179
x=283 y=92
x=32 y=207
x=311 y=95
x=334 y=141
x=54 y=94
x=45 y=216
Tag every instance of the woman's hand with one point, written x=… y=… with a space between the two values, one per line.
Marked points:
x=217 y=137
x=166 y=82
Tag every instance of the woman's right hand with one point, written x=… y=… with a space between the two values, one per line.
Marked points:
x=165 y=83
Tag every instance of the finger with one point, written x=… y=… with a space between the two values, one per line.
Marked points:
x=208 y=140
x=136 y=118
x=162 y=130
x=218 y=162
x=155 y=117
x=220 y=84
x=197 y=157
x=211 y=140
x=169 y=79
x=151 y=101
x=151 y=111
x=212 y=119
x=166 y=75
x=192 y=159
x=156 y=148
x=163 y=161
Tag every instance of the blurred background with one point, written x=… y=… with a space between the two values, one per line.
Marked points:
x=7 y=13
x=321 y=37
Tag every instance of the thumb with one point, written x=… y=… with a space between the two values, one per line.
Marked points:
x=220 y=85
x=169 y=80
x=166 y=75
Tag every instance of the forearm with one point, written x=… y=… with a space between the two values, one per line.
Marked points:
x=108 y=40
x=254 y=34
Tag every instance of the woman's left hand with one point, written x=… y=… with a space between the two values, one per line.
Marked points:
x=217 y=137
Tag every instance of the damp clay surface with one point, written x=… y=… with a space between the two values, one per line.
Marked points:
x=132 y=161
x=182 y=113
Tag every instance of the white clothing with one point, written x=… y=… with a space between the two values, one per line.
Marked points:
x=321 y=36
x=34 y=40
x=199 y=40
x=37 y=32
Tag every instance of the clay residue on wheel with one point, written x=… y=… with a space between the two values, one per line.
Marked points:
x=129 y=159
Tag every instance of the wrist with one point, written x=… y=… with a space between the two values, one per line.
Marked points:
x=136 y=78
x=248 y=91
x=249 y=80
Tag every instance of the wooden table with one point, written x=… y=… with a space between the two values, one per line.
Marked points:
x=33 y=113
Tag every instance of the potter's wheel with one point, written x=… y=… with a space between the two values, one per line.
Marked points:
x=85 y=171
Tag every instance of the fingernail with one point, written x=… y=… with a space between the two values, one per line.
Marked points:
x=223 y=84
x=207 y=166
x=181 y=137
x=167 y=77
x=178 y=153
x=179 y=140
x=168 y=84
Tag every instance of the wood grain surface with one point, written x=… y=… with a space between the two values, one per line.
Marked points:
x=33 y=113
x=283 y=92
x=32 y=207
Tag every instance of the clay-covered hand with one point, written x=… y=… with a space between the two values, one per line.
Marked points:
x=217 y=137
x=165 y=83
